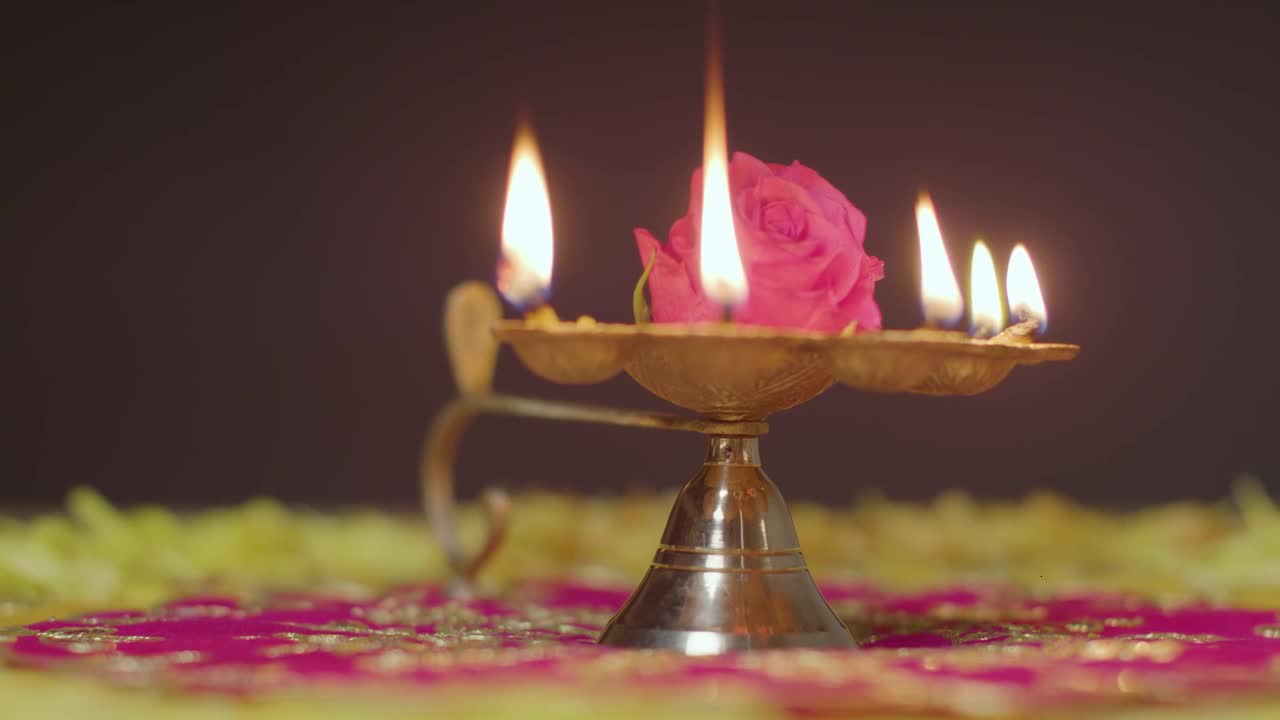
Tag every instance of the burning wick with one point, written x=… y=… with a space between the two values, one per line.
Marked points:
x=524 y=270
x=984 y=294
x=520 y=287
x=939 y=292
x=1026 y=303
x=542 y=316
x=1023 y=333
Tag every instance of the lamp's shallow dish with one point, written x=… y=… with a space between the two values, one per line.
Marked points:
x=731 y=372
x=568 y=353
x=886 y=361
x=727 y=372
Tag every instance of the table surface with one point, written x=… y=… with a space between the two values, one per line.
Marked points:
x=1032 y=608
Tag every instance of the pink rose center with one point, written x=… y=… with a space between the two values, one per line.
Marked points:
x=784 y=219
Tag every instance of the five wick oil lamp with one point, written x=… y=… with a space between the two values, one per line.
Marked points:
x=728 y=573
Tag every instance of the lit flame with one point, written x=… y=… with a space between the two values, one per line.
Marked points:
x=723 y=278
x=524 y=275
x=1023 y=289
x=940 y=293
x=985 y=307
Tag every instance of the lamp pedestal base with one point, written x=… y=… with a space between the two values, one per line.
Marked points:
x=728 y=574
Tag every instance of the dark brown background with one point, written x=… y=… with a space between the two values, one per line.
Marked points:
x=232 y=228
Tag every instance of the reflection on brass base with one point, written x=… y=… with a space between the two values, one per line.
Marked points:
x=729 y=574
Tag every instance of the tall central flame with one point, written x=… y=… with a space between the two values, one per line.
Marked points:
x=723 y=278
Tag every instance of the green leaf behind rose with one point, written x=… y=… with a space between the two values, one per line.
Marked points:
x=639 y=305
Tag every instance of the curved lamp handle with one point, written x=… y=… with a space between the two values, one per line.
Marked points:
x=471 y=311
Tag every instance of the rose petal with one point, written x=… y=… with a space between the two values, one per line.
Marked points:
x=836 y=207
x=823 y=192
x=673 y=297
x=684 y=242
x=745 y=171
x=760 y=243
x=777 y=189
x=808 y=274
x=857 y=224
x=786 y=308
x=860 y=303
x=843 y=273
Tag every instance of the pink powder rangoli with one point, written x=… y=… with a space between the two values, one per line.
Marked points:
x=934 y=651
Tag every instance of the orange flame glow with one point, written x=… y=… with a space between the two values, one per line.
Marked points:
x=1023 y=288
x=723 y=278
x=986 y=309
x=939 y=291
x=524 y=275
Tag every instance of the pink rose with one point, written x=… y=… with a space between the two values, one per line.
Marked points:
x=801 y=245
